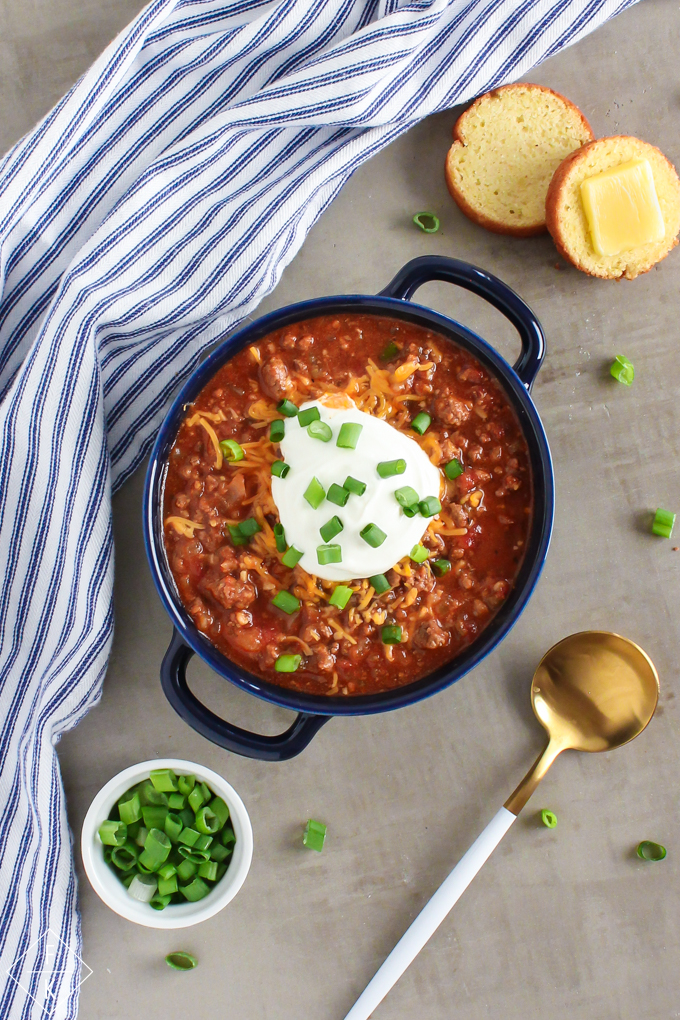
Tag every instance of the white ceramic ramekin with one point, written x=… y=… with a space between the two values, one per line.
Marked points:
x=112 y=891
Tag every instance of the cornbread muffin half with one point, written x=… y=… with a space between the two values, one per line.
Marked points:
x=507 y=147
x=566 y=215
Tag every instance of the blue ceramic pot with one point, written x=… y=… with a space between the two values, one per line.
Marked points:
x=314 y=711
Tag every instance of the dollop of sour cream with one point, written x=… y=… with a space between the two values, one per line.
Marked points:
x=309 y=458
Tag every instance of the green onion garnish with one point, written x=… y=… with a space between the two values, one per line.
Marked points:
x=186 y=870
x=196 y=890
x=429 y=506
x=124 y=857
x=337 y=494
x=130 y=808
x=208 y=870
x=181 y=961
x=427 y=221
x=622 y=370
x=406 y=496
x=113 y=833
x=167 y=886
x=287 y=663
x=142 y=888
x=648 y=851
x=207 y=821
x=177 y=801
x=309 y=415
x=163 y=780
x=387 y=468
x=186 y=784
x=331 y=528
x=453 y=469
x=421 y=423
x=285 y=601
x=277 y=430
x=328 y=554
x=549 y=818
x=280 y=468
x=380 y=583
x=441 y=567
x=237 y=536
x=288 y=408
x=341 y=596
x=373 y=535
x=315 y=835
x=390 y=351
x=231 y=450
x=173 y=826
x=410 y=511
x=391 y=634
x=154 y=816
x=280 y=538
x=249 y=527
x=291 y=557
x=354 y=485
x=418 y=554
x=663 y=522
x=315 y=493
x=320 y=430
x=348 y=436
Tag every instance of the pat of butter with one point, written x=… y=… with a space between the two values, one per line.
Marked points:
x=622 y=208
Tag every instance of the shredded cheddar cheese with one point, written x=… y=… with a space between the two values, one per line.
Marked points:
x=183 y=525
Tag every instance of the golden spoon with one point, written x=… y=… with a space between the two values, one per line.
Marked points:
x=592 y=691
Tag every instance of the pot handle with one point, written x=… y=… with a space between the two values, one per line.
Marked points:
x=233 y=738
x=438 y=267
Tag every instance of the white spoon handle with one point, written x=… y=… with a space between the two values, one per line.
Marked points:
x=431 y=916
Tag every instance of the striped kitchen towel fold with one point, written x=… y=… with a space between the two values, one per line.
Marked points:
x=145 y=216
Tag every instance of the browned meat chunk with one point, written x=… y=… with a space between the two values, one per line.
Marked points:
x=458 y=515
x=313 y=626
x=422 y=578
x=324 y=659
x=451 y=410
x=430 y=634
x=228 y=560
x=232 y=593
x=275 y=380
x=236 y=490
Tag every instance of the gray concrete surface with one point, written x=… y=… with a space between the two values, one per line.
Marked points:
x=565 y=924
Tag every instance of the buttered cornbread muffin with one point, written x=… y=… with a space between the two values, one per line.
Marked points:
x=613 y=207
x=506 y=148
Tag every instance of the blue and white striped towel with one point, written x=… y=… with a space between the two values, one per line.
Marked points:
x=147 y=214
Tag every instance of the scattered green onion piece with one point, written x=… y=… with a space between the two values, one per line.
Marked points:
x=113 y=833
x=286 y=602
x=418 y=553
x=280 y=538
x=309 y=415
x=354 y=485
x=390 y=351
x=429 y=506
x=142 y=888
x=173 y=826
x=287 y=663
x=280 y=468
x=320 y=430
x=167 y=886
x=237 y=536
x=622 y=370
x=181 y=961
x=409 y=511
x=157 y=845
x=159 y=902
x=338 y=494
x=203 y=842
x=421 y=423
x=277 y=430
x=250 y=527
x=177 y=801
x=388 y=468
x=373 y=535
x=649 y=851
x=391 y=634
x=167 y=871
x=291 y=557
x=341 y=596
x=663 y=522
x=315 y=835
x=186 y=870
x=380 y=583
x=130 y=808
x=147 y=862
x=188 y=837
x=164 y=780
x=219 y=807
x=208 y=870
x=406 y=496
x=427 y=222
x=154 y=817
x=140 y=838
x=331 y=528
x=190 y=853
x=197 y=798
x=196 y=890
x=231 y=450
x=288 y=408
x=315 y=493
x=348 y=436
x=186 y=784
x=207 y=821
x=328 y=554
x=219 y=853
x=441 y=567
x=124 y=857
x=453 y=469
x=549 y=818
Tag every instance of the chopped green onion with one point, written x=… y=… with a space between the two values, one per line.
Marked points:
x=421 y=423
x=218 y=852
x=331 y=528
x=186 y=784
x=663 y=522
x=286 y=602
x=142 y=888
x=309 y=415
x=320 y=430
x=167 y=871
x=348 y=436
x=188 y=836
x=409 y=511
x=380 y=583
x=648 y=851
x=237 y=536
x=130 y=808
x=373 y=535
x=208 y=870
x=154 y=817
x=203 y=842
x=418 y=554
x=150 y=796
x=186 y=870
x=197 y=798
x=622 y=370
x=337 y=494
x=177 y=801
x=354 y=485
x=277 y=430
x=280 y=538
x=390 y=351
x=207 y=821
x=291 y=557
x=190 y=853
x=124 y=857
x=280 y=468
x=231 y=450
x=141 y=835
x=441 y=567
x=250 y=527
x=196 y=890
x=315 y=493
x=427 y=222
x=406 y=496
x=328 y=554
x=228 y=836
x=187 y=816
x=219 y=807
x=391 y=634
x=429 y=506
x=159 y=902
x=453 y=469
x=549 y=818
x=315 y=835
x=173 y=826
x=288 y=408
x=157 y=846
x=341 y=596
x=181 y=961
x=113 y=833
x=287 y=663
x=167 y=886
x=205 y=789
x=387 y=468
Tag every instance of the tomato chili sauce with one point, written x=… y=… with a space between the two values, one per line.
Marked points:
x=393 y=369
